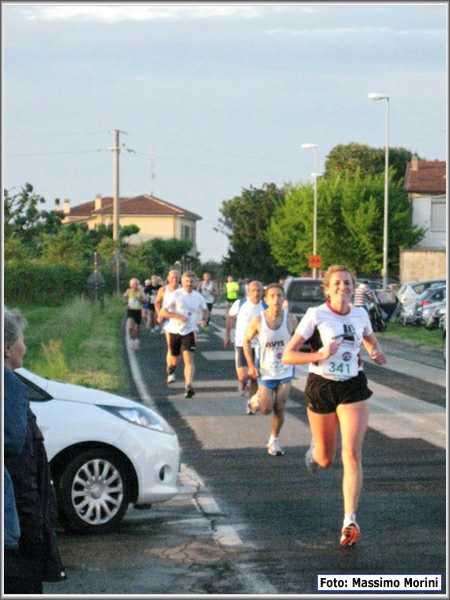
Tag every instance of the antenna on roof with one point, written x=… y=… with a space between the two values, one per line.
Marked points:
x=152 y=157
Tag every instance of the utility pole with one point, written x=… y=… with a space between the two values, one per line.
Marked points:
x=116 y=203
x=116 y=206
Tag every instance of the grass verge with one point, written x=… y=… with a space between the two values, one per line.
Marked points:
x=412 y=334
x=78 y=342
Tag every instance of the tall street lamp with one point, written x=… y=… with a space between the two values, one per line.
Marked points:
x=375 y=97
x=315 y=175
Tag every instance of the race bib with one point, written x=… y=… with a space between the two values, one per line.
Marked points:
x=342 y=365
x=190 y=318
x=134 y=303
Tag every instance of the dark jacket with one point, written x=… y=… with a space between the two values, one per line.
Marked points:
x=15 y=433
x=37 y=555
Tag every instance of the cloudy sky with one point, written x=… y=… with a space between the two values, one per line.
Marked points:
x=212 y=98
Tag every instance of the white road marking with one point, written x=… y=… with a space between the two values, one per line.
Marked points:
x=218 y=355
x=137 y=376
x=225 y=536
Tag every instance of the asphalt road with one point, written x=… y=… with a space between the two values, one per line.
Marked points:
x=249 y=523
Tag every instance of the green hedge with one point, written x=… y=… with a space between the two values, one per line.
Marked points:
x=37 y=283
x=32 y=283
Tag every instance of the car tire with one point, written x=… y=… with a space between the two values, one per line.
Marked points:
x=93 y=492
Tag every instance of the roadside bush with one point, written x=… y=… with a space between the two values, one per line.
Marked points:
x=35 y=282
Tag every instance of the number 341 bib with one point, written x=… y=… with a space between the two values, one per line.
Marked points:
x=343 y=364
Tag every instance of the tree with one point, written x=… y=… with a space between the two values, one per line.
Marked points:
x=23 y=220
x=14 y=250
x=349 y=224
x=128 y=230
x=245 y=221
x=172 y=249
x=69 y=246
x=369 y=161
x=106 y=248
x=158 y=255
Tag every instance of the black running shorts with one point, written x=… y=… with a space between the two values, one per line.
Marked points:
x=181 y=343
x=323 y=395
x=135 y=314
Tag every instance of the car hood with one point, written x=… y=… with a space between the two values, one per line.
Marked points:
x=75 y=393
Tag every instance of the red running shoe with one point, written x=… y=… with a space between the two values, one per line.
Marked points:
x=350 y=535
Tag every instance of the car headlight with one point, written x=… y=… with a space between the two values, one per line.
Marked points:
x=141 y=416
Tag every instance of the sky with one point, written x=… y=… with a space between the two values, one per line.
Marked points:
x=212 y=99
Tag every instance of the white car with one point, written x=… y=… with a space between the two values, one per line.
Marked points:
x=410 y=292
x=105 y=452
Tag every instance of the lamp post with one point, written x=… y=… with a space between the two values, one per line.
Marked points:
x=375 y=97
x=315 y=175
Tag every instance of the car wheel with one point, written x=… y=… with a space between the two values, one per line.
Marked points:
x=93 y=491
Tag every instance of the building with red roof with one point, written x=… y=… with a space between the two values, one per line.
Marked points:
x=426 y=186
x=155 y=218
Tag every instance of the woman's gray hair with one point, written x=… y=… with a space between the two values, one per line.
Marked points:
x=14 y=323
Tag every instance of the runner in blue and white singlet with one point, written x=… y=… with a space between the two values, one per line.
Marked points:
x=272 y=343
x=272 y=329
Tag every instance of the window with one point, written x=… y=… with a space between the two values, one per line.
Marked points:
x=438 y=217
x=35 y=393
x=187 y=233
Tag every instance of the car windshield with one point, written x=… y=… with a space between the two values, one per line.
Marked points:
x=305 y=291
x=420 y=288
x=437 y=293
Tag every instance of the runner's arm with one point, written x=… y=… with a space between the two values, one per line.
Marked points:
x=292 y=323
x=293 y=354
x=159 y=300
x=252 y=331
x=374 y=350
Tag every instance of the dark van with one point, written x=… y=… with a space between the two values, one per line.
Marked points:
x=303 y=293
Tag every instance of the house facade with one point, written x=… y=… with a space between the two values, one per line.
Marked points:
x=155 y=218
x=426 y=186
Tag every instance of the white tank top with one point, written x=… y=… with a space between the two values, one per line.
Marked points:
x=272 y=343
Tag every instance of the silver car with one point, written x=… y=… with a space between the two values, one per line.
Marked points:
x=432 y=314
x=410 y=292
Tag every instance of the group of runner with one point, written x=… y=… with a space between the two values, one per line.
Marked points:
x=268 y=343
x=173 y=308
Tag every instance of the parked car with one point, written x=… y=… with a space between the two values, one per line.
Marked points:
x=105 y=452
x=410 y=292
x=377 y=283
x=429 y=296
x=303 y=293
x=407 y=314
x=432 y=314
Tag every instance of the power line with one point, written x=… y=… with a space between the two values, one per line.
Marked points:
x=52 y=153
x=36 y=135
